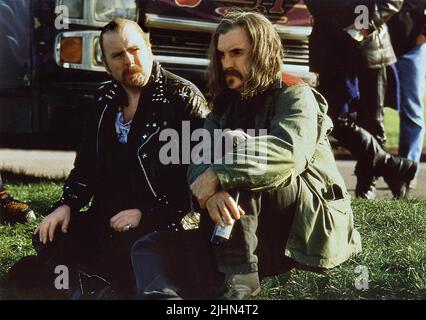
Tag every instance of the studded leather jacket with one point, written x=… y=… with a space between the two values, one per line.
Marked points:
x=120 y=177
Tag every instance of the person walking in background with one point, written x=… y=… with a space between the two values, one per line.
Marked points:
x=352 y=65
x=408 y=34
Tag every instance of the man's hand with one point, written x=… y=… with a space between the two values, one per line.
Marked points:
x=126 y=217
x=421 y=39
x=365 y=32
x=221 y=205
x=205 y=186
x=61 y=216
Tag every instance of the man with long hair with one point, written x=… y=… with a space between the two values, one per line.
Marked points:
x=282 y=188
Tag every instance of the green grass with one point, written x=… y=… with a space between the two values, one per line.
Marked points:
x=392 y=128
x=393 y=238
x=15 y=240
x=394 y=252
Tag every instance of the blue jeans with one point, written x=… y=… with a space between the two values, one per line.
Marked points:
x=412 y=73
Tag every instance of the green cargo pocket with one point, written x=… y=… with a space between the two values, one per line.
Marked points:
x=341 y=205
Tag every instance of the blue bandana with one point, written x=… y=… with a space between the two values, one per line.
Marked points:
x=122 y=129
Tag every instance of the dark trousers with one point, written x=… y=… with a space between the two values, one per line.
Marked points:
x=93 y=248
x=262 y=231
x=370 y=114
x=366 y=97
x=186 y=265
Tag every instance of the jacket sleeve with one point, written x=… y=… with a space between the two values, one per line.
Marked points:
x=78 y=187
x=196 y=169
x=195 y=107
x=197 y=112
x=382 y=11
x=264 y=162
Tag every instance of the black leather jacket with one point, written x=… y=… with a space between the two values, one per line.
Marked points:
x=154 y=188
x=330 y=44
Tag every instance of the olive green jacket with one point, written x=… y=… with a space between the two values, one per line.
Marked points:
x=296 y=145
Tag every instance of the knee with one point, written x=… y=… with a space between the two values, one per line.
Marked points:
x=148 y=244
x=59 y=238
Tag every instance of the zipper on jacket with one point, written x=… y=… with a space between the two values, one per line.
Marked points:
x=137 y=153
x=140 y=162
x=97 y=133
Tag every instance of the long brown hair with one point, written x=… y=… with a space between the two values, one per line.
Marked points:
x=266 y=53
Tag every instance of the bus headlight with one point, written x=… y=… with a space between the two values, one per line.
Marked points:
x=79 y=50
x=71 y=50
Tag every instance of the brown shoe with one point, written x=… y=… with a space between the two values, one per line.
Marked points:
x=13 y=211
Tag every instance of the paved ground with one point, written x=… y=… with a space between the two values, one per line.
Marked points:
x=57 y=164
x=347 y=168
x=51 y=164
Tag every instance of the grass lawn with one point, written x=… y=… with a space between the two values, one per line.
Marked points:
x=394 y=251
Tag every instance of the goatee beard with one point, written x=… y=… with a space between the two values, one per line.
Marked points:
x=133 y=77
x=137 y=80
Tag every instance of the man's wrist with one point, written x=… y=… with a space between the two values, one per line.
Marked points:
x=209 y=198
x=212 y=177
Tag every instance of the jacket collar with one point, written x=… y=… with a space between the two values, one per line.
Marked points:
x=120 y=97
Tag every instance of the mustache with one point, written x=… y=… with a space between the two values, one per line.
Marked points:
x=131 y=70
x=233 y=72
